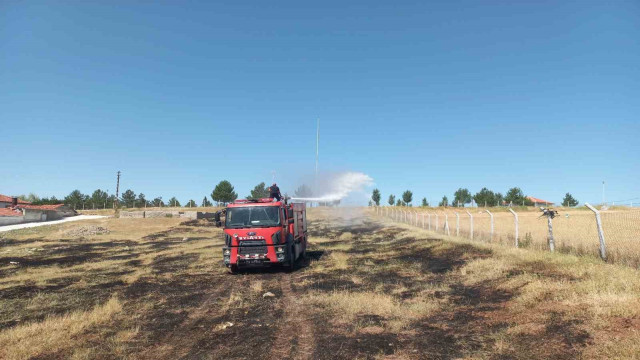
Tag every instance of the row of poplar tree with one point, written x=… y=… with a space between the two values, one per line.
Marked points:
x=222 y=194
x=485 y=197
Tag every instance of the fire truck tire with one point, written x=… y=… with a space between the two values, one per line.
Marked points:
x=303 y=254
x=233 y=269
x=291 y=264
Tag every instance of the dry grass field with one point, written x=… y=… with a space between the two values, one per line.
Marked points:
x=574 y=230
x=371 y=289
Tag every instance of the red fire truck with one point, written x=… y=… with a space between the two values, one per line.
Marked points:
x=264 y=233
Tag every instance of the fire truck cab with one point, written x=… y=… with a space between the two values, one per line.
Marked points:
x=262 y=233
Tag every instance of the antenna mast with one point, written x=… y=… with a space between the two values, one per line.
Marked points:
x=317 y=144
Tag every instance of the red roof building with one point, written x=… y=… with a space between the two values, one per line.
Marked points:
x=6 y=201
x=40 y=207
x=10 y=212
x=537 y=201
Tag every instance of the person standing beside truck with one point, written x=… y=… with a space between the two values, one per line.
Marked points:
x=274 y=192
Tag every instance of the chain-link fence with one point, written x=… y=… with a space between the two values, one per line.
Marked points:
x=574 y=231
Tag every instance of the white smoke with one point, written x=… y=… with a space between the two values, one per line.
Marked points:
x=337 y=186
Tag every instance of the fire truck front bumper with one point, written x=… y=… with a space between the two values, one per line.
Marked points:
x=276 y=254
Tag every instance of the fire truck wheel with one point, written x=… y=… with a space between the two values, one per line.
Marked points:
x=291 y=264
x=233 y=269
x=303 y=255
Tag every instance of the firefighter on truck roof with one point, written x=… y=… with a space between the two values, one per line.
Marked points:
x=274 y=192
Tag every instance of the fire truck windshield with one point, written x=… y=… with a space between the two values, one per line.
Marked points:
x=255 y=216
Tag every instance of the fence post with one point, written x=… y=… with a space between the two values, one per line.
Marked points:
x=416 y=218
x=470 y=225
x=515 y=219
x=446 y=224
x=552 y=245
x=436 y=222
x=457 y=224
x=603 y=249
x=491 y=215
x=429 y=214
x=423 y=221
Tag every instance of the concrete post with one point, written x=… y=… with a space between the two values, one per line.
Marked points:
x=552 y=245
x=446 y=224
x=603 y=249
x=515 y=219
x=423 y=221
x=457 y=223
x=491 y=215
x=429 y=221
x=470 y=225
x=436 y=222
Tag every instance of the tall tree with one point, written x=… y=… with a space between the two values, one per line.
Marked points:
x=407 y=197
x=111 y=201
x=173 y=202
x=569 y=201
x=444 y=202
x=392 y=200
x=515 y=196
x=399 y=203
x=223 y=193
x=128 y=198
x=260 y=191
x=485 y=197
x=32 y=198
x=303 y=191
x=375 y=196
x=157 y=202
x=99 y=199
x=75 y=199
x=461 y=197
x=142 y=201
x=425 y=203
x=192 y=204
x=206 y=202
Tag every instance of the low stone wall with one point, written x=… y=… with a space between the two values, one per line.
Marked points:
x=158 y=214
x=12 y=220
x=131 y=214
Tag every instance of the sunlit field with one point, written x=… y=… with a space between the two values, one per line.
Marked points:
x=370 y=288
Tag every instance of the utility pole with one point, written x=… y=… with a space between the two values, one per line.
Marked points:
x=317 y=146
x=117 y=190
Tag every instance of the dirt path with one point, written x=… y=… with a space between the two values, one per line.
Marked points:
x=294 y=337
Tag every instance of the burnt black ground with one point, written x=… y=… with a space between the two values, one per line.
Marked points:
x=184 y=312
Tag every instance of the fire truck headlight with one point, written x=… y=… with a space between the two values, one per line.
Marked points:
x=226 y=252
x=279 y=249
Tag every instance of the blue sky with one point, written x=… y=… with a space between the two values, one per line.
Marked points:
x=427 y=96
